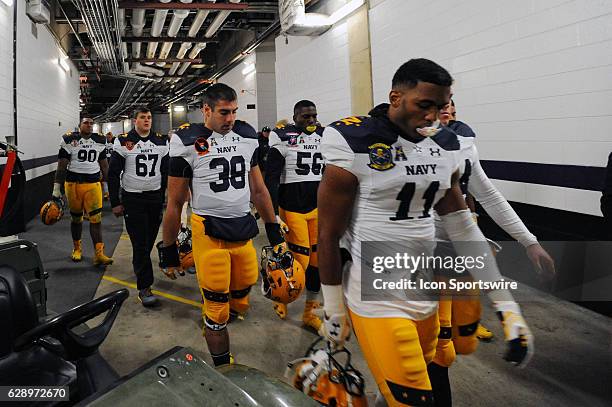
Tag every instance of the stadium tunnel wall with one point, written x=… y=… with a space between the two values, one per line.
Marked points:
x=317 y=69
x=47 y=101
x=532 y=80
x=245 y=85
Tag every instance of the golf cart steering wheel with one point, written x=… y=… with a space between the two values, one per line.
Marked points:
x=78 y=346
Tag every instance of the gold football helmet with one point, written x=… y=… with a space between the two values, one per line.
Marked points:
x=52 y=211
x=282 y=278
x=185 y=249
x=322 y=376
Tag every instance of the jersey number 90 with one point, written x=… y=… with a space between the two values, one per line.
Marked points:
x=87 y=155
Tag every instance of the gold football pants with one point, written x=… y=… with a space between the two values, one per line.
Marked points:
x=397 y=351
x=302 y=241
x=225 y=270
x=87 y=197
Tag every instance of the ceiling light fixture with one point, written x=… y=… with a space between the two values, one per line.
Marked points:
x=344 y=11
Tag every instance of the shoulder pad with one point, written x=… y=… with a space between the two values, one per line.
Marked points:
x=286 y=131
x=360 y=132
x=188 y=133
x=447 y=139
x=158 y=139
x=98 y=138
x=320 y=130
x=244 y=129
x=70 y=136
x=462 y=129
x=354 y=121
x=131 y=136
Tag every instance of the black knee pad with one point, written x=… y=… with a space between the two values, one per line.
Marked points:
x=240 y=293
x=313 y=282
x=410 y=396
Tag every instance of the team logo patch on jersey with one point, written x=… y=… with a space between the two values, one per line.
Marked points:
x=293 y=139
x=201 y=146
x=129 y=145
x=381 y=158
x=74 y=143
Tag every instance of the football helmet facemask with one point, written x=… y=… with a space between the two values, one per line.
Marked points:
x=322 y=376
x=185 y=249
x=282 y=278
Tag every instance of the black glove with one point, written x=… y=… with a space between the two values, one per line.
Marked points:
x=273 y=231
x=169 y=260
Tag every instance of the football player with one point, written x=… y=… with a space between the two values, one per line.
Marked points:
x=110 y=139
x=81 y=158
x=139 y=167
x=293 y=174
x=384 y=175
x=218 y=161
x=475 y=183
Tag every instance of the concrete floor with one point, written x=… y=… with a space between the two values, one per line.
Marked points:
x=571 y=366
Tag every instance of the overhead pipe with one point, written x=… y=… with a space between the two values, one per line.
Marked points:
x=193 y=31
x=194 y=53
x=122 y=22
x=100 y=18
x=180 y=54
x=159 y=19
x=138 y=68
x=175 y=24
x=198 y=21
x=103 y=15
x=137 y=23
x=210 y=32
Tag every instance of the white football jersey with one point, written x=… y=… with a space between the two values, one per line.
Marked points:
x=143 y=158
x=475 y=181
x=110 y=146
x=83 y=153
x=399 y=183
x=220 y=166
x=302 y=153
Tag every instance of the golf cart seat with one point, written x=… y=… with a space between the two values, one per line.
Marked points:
x=50 y=353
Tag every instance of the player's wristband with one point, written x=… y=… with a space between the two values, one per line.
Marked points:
x=333 y=299
x=274 y=234
x=168 y=255
x=57 y=190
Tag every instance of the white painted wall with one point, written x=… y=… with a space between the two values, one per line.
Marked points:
x=195 y=116
x=47 y=97
x=314 y=68
x=532 y=78
x=115 y=127
x=161 y=122
x=6 y=71
x=266 y=88
x=246 y=89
